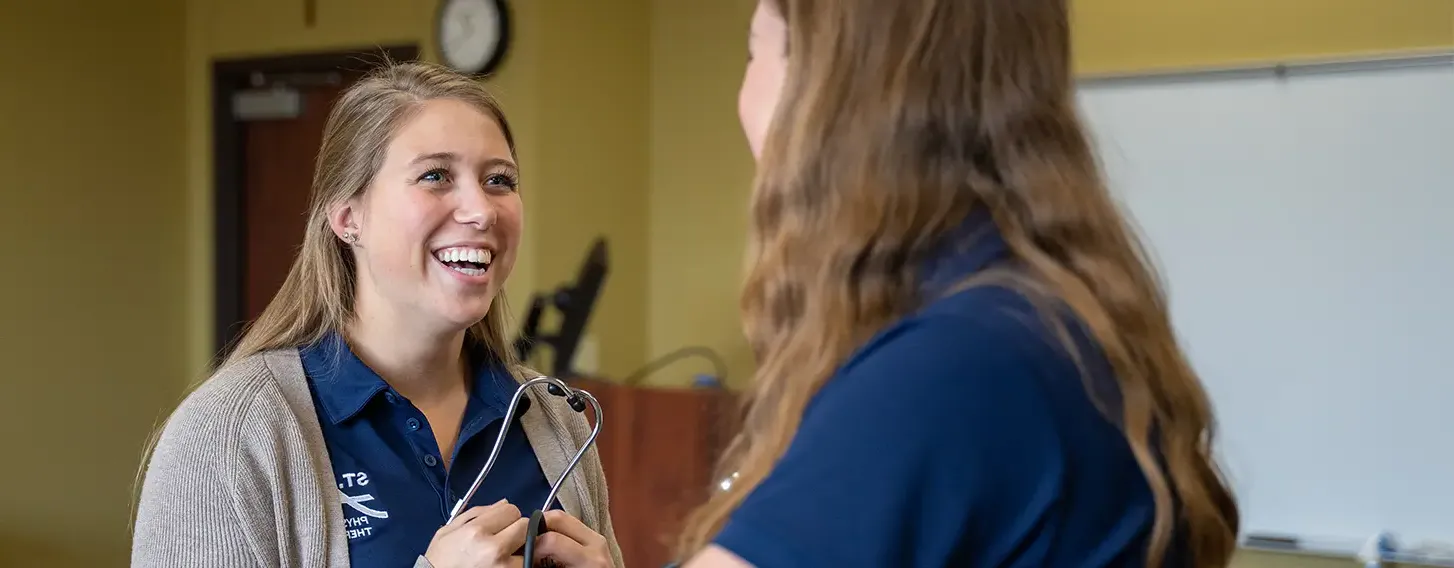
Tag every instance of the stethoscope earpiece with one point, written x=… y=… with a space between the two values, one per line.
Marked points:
x=574 y=399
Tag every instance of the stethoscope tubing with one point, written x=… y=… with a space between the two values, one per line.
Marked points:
x=520 y=391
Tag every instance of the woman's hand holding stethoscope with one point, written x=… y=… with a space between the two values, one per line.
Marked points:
x=569 y=543
x=489 y=536
x=485 y=536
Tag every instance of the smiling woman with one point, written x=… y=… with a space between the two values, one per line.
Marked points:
x=376 y=379
x=448 y=182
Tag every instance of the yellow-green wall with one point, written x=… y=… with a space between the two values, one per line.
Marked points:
x=92 y=226
x=592 y=101
x=700 y=172
x=1132 y=35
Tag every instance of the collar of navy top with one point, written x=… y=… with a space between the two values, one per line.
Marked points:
x=974 y=245
x=345 y=385
x=977 y=244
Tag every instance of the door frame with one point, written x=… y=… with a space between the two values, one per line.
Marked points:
x=229 y=255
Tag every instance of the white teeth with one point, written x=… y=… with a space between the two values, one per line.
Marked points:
x=470 y=271
x=463 y=254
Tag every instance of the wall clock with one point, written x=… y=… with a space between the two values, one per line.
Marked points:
x=473 y=35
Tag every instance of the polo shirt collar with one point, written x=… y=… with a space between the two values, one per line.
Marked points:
x=971 y=247
x=345 y=385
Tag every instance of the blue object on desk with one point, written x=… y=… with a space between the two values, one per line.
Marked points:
x=706 y=381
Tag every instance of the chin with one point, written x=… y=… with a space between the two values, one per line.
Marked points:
x=465 y=312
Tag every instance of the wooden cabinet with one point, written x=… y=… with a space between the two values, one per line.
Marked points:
x=659 y=447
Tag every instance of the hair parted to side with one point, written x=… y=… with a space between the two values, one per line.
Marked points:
x=318 y=295
x=897 y=120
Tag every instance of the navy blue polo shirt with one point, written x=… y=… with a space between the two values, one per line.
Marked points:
x=961 y=435
x=391 y=480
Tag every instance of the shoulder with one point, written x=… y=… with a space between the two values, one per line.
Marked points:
x=977 y=322
x=234 y=409
x=574 y=425
x=974 y=386
x=207 y=483
x=947 y=416
x=219 y=405
x=980 y=346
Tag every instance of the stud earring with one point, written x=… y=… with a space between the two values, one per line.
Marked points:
x=350 y=238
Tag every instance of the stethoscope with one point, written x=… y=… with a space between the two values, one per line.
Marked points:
x=577 y=399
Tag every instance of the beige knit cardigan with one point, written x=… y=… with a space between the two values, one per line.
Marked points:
x=240 y=476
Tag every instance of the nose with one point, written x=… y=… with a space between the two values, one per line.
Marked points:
x=475 y=208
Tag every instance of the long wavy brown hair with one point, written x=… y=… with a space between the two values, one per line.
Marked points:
x=899 y=119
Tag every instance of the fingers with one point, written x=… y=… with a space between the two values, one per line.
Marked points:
x=562 y=522
x=562 y=549
x=489 y=519
x=512 y=537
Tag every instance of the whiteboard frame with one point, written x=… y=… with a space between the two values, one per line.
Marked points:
x=1395 y=60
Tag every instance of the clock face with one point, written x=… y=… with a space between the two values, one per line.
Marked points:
x=471 y=34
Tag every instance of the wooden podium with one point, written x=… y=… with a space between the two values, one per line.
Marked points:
x=658 y=447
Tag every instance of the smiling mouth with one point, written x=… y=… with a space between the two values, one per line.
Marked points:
x=466 y=260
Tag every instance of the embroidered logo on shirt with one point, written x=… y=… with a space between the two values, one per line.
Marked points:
x=358 y=525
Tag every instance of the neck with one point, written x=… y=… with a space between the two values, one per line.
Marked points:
x=422 y=364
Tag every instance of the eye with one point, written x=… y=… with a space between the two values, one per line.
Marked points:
x=501 y=180
x=436 y=175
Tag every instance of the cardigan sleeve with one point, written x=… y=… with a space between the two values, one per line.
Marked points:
x=189 y=512
x=592 y=461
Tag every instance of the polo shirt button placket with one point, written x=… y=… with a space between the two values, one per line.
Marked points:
x=430 y=460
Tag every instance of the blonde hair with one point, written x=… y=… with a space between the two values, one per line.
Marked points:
x=318 y=295
x=317 y=298
x=897 y=121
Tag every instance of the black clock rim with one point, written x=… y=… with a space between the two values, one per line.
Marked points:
x=502 y=46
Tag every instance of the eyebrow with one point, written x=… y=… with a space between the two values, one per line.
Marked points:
x=453 y=157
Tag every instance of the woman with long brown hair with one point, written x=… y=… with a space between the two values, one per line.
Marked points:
x=356 y=411
x=963 y=356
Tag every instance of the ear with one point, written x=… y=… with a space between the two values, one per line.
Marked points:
x=346 y=218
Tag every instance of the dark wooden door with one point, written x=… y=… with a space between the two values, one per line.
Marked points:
x=263 y=167
x=278 y=162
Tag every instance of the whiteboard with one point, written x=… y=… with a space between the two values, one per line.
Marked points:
x=1304 y=228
